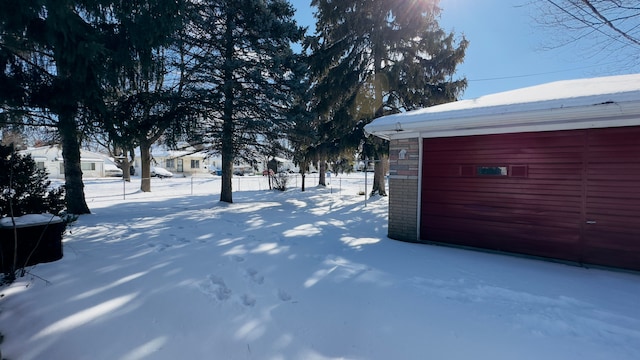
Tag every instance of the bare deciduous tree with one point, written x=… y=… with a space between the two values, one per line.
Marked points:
x=607 y=29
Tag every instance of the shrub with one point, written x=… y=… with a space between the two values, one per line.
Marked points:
x=25 y=189
x=280 y=181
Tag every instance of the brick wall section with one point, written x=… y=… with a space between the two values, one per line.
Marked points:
x=403 y=189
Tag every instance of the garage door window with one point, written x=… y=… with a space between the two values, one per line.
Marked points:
x=494 y=170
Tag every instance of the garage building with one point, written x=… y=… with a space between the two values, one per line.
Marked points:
x=551 y=170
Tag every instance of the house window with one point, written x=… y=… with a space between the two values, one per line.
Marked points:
x=195 y=164
x=170 y=163
x=40 y=165
x=88 y=166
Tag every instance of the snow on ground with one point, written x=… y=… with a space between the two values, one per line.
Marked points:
x=174 y=274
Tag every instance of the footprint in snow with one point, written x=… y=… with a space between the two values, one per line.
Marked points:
x=283 y=295
x=248 y=300
x=215 y=286
x=160 y=247
x=255 y=276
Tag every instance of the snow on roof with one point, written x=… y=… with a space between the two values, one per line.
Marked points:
x=560 y=105
x=183 y=149
x=55 y=153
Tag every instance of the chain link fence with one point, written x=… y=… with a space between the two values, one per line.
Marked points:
x=114 y=188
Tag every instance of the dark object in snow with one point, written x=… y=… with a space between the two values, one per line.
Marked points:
x=39 y=240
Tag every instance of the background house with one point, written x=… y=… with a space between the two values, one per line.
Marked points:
x=186 y=161
x=551 y=170
x=50 y=159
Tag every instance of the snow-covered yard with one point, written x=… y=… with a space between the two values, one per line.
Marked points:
x=174 y=274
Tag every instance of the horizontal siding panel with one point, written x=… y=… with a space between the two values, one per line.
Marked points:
x=515 y=201
x=612 y=236
x=500 y=230
x=538 y=190
x=507 y=141
x=626 y=216
x=611 y=204
x=533 y=240
x=551 y=158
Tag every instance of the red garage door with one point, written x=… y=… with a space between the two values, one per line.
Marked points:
x=572 y=195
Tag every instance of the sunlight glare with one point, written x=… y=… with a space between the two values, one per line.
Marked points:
x=85 y=316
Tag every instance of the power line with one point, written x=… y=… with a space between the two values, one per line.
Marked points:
x=540 y=73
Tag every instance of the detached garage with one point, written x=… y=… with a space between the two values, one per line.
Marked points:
x=551 y=170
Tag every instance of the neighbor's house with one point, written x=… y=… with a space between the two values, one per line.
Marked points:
x=551 y=170
x=50 y=159
x=186 y=161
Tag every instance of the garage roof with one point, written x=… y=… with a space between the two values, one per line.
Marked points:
x=572 y=104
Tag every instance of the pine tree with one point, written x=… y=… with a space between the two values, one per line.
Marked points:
x=146 y=94
x=57 y=56
x=53 y=54
x=247 y=70
x=384 y=56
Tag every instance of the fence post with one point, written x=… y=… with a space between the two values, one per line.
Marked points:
x=365 y=183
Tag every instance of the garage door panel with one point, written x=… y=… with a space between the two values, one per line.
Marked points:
x=533 y=241
x=470 y=215
x=555 y=172
x=501 y=153
x=533 y=203
x=625 y=217
x=520 y=216
x=579 y=198
x=532 y=159
x=500 y=231
x=537 y=186
x=507 y=141
x=611 y=237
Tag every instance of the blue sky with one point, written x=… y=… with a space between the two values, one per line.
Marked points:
x=506 y=49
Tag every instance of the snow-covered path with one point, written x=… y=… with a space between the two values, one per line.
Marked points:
x=174 y=274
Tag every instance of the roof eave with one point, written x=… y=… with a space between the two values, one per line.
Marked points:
x=610 y=114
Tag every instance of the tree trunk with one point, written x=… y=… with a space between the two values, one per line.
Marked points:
x=303 y=177
x=145 y=166
x=379 y=171
x=74 y=187
x=322 y=181
x=124 y=166
x=379 y=167
x=226 y=193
